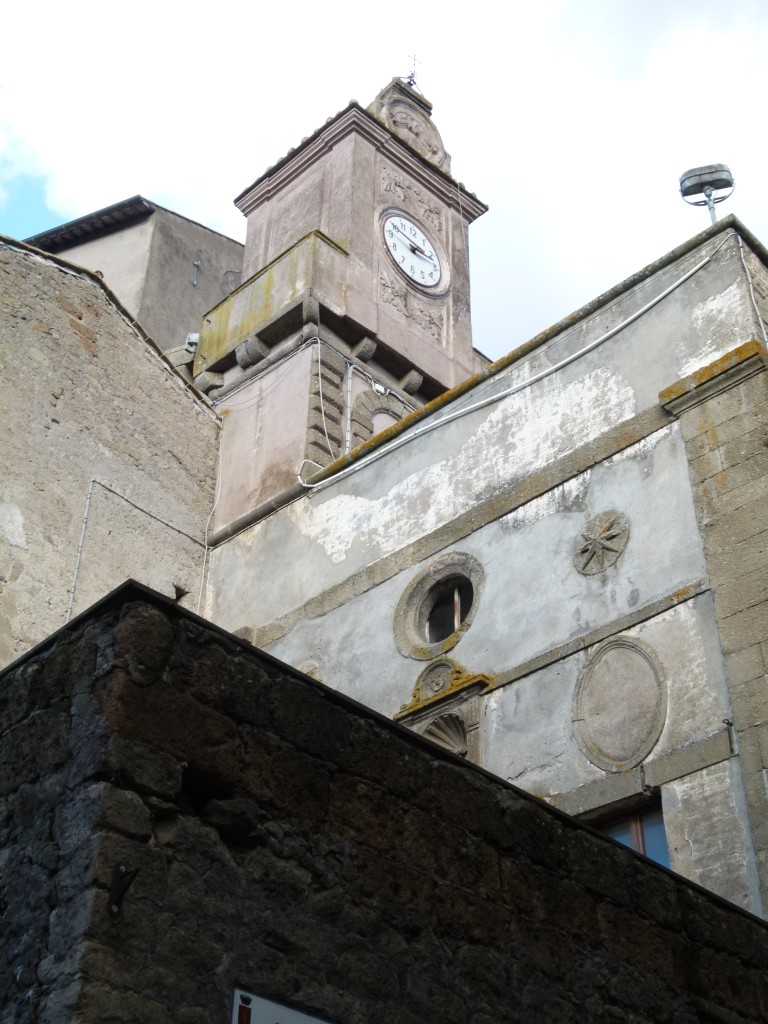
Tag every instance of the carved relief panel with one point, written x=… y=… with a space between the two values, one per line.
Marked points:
x=445 y=707
x=620 y=704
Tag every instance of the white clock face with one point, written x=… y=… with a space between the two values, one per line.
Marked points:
x=412 y=251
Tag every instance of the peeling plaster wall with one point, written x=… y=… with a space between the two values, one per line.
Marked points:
x=706 y=824
x=423 y=486
x=263 y=437
x=87 y=399
x=533 y=714
x=476 y=486
x=534 y=599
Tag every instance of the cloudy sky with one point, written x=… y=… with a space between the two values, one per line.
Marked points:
x=572 y=119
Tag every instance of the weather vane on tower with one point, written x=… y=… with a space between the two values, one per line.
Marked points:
x=411 y=77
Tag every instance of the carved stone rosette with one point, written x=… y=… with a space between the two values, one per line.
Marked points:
x=601 y=542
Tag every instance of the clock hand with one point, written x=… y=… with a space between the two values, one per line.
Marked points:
x=412 y=245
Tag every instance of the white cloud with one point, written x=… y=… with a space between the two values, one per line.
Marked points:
x=572 y=119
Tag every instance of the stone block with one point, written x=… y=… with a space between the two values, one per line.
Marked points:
x=745 y=665
x=144 y=642
x=749 y=703
x=736 y=595
x=411 y=382
x=34 y=747
x=207 y=381
x=700 y=444
x=688 y=759
x=696 y=421
x=730 y=561
x=317 y=452
x=705 y=466
x=738 y=426
x=60 y=1005
x=600 y=792
x=321 y=429
x=745 y=447
x=331 y=401
x=744 y=629
x=736 y=487
x=727 y=404
x=364 y=350
x=251 y=352
x=746 y=522
x=755 y=390
x=168 y=721
x=332 y=362
x=143 y=767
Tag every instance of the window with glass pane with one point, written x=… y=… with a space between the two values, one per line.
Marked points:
x=643 y=831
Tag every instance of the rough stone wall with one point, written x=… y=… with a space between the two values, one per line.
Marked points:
x=293 y=843
x=108 y=460
x=724 y=417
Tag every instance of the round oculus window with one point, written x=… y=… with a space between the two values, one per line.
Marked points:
x=438 y=606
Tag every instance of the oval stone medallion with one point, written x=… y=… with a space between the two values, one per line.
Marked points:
x=620 y=704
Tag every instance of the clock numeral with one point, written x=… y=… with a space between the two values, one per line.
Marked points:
x=423 y=276
x=413 y=271
x=394 y=247
x=402 y=259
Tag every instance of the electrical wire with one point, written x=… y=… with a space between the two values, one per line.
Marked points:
x=751 y=290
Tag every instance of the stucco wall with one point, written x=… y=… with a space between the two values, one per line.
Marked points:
x=485 y=462
x=177 y=293
x=108 y=459
x=515 y=485
x=150 y=266
x=294 y=844
x=122 y=257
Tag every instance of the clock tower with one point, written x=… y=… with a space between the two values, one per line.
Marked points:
x=357 y=240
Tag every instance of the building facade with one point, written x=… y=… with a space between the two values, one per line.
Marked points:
x=552 y=565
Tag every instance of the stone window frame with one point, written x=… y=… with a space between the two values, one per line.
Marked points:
x=634 y=816
x=412 y=608
x=365 y=407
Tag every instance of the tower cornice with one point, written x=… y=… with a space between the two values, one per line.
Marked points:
x=355 y=119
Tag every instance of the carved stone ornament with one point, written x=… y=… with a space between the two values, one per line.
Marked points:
x=439 y=677
x=395 y=295
x=417 y=599
x=601 y=542
x=448 y=731
x=620 y=704
x=408 y=114
x=427 y=319
x=446 y=707
x=395 y=186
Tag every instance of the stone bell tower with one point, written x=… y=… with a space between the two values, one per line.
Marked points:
x=357 y=271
